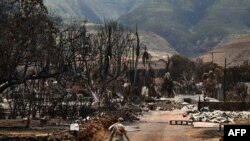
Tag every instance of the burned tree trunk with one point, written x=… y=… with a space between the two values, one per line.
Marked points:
x=137 y=55
x=112 y=41
x=106 y=65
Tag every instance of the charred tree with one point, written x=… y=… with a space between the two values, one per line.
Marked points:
x=28 y=47
x=112 y=41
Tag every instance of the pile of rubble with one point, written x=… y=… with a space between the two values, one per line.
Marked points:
x=206 y=115
x=218 y=116
x=164 y=106
x=91 y=128
x=190 y=108
x=96 y=128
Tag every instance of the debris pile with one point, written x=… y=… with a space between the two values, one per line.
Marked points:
x=190 y=108
x=95 y=128
x=218 y=116
x=164 y=106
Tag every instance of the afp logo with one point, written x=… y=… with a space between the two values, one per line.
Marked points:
x=236 y=132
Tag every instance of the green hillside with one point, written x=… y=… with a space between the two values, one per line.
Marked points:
x=192 y=26
x=91 y=10
x=223 y=18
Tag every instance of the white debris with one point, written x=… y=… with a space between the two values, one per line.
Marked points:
x=194 y=98
x=205 y=124
x=218 y=116
x=209 y=99
x=159 y=109
x=191 y=108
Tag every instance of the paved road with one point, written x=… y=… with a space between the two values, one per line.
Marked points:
x=154 y=126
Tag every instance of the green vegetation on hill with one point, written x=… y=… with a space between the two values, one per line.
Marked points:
x=192 y=26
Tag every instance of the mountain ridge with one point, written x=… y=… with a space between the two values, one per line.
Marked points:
x=192 y=27
x=92 y=10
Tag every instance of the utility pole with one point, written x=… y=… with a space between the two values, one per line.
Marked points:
x=137 y=53
x=212 y=55
x=224 y=80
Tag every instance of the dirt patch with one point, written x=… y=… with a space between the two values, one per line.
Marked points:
x=156 y=127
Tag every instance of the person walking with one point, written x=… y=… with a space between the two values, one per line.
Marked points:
x=117 y=131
